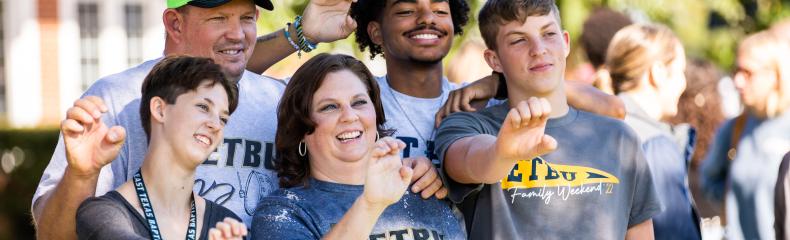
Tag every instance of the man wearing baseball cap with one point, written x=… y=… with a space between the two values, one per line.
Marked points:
x=265 y=4
x=240 y=173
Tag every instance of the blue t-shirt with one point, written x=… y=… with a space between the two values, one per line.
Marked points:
x=668 y=165
x=309 y=212
x=746 y=183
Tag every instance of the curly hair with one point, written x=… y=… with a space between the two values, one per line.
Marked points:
x=293 y=113
x=366 y=11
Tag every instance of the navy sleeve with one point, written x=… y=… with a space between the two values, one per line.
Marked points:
x=713 y=172
x=280 y=219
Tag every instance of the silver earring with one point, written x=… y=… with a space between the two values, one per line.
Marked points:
x=302 y=149
x=377 y=136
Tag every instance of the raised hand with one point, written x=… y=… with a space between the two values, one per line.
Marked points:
x=90 y=144
x=328 y=20
x=522 y=134
x=387 y=178
x=228 y=229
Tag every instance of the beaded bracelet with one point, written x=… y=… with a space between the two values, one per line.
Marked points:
x=304 y=44
x=291 y=41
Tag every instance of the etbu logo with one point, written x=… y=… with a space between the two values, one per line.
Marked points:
x=255 y=153
x=539 y=173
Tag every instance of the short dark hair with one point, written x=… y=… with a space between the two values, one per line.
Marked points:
x=366 y=11
x=597 y=33
x=496 y=13
x=176 y=75
x=293 y=114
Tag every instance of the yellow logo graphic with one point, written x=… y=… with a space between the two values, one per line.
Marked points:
x=539 y=173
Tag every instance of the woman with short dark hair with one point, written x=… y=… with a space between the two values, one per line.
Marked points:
x=185 y=104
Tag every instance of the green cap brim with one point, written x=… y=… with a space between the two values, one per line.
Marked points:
x=176 y=3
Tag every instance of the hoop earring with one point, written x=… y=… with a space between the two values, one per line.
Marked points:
x=377 y=136
x=302 y=148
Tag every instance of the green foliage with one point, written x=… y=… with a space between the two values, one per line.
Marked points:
x=709 y=29
x=23 y=156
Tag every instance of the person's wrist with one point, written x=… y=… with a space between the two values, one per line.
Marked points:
x=83 y=175
x=371 y=205
x=291 y=31
x=310 y=37
x=304 y=43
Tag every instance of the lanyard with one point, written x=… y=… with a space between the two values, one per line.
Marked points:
x=148 y=211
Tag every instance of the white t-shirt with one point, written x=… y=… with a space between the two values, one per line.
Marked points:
x=238 y=184
x=412 y=118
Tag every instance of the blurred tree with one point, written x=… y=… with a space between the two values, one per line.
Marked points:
x=709 y=29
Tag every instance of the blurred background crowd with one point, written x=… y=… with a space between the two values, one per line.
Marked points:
x=51 y=50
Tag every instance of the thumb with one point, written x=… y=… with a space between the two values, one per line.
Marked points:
x=406 y=173
x=547 y=144
x=111 y=145
x=466 y=101
x=350 y=25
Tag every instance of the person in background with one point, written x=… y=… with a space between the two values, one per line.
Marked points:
x=781 y=199
x=742 y=164
x=647 y=64
x=700 y=107
x=597 y=33
x=466 y=66
x=782 y=190
x=342 y=176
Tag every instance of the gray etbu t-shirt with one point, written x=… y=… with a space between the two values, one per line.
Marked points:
x=310 y=212
x=237 y=181
x=594 y=186
x=408 y=115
